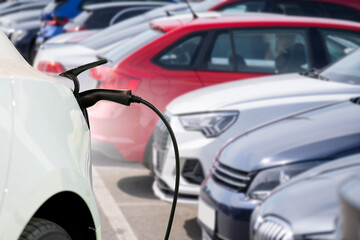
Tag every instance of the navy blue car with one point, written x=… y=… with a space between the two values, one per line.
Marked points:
x=249 y=167
x=315 y=194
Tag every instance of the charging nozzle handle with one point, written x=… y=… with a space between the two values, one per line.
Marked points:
x=90 y=97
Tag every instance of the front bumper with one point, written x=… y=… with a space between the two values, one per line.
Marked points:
x=127 y=128
x=232 y=212
x=197 y=154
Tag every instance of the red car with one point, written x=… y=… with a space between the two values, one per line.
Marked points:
x=192 y=53
x=339 y=9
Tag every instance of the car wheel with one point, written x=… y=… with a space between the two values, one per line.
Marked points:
x=41 y=229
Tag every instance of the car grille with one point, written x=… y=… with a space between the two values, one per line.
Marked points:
x=273 y=229
x=230 y=177
x=161 y=140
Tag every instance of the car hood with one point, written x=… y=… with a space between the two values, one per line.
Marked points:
x=13 y=65
x=314 y=134
x=233 y=93
x=321 y=184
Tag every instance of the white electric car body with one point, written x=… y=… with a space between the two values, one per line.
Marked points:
x=45 y=174
x=205 y=119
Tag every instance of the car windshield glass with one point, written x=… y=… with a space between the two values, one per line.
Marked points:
x=110 y=34
x=124 y=49
x=347 y=70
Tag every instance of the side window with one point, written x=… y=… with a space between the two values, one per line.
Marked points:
x=219 y=57
x=101 y=18
x=271 y=51
x=342 y=12
x=339 y=43
x=298 y=8
x=182 y=54
x=243 y=6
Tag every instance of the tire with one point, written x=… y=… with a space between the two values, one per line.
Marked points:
x=41 y=229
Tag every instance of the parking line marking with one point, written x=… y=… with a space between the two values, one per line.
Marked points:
x=111 y=209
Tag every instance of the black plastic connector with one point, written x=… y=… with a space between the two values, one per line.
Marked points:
x=90 y=97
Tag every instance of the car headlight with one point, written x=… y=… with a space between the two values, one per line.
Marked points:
x=265 y=181
x=18 y=35
x=210 y=124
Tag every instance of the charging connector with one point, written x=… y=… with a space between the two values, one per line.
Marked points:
x=89 y=98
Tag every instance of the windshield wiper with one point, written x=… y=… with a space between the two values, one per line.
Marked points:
x=355 y=100
x=314 y=73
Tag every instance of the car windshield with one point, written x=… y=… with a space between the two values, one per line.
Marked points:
x=347 y=70
x=122 y=50
x=111 y=34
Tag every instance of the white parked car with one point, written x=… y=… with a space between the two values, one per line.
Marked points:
x=45 y=174
x=204 y=120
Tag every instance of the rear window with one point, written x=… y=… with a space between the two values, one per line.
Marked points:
x=88 y=2
x=298 y=8
x=342 y=12
x=243 y=6
x=116 y=32
x=121 y=51
x=101 y=18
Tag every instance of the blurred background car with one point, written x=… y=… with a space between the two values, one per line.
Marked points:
x=58 y=12
x=205 y=119
x=350 y=209
x=9 y=21
x=339 y=9
x=98 y=16
x=47 y=143
x=252 y=165
x=22 y=6
x=316 y=193
x=189 y=54
x=54 y=58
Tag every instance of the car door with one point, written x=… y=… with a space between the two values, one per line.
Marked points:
x=251 y=52
x=175 y=73
x=6 y=115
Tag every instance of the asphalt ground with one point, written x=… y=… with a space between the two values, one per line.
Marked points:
x=129 y=209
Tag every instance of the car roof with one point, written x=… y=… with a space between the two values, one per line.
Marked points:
x=91 y=7
x=224 y=20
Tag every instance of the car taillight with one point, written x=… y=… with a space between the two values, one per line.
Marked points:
x=76 y=29
x=117 y=80
x=100 y=73
x=50 y=67
x=57 y=21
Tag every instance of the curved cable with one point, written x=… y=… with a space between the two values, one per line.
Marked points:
x=137 y=99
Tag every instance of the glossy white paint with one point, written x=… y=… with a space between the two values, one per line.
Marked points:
x=44 y=143
x=258 y=101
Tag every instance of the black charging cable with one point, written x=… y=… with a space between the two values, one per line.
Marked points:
x=124 y=97
x=89 y=98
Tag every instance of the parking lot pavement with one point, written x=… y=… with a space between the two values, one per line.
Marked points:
x=129 y=209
